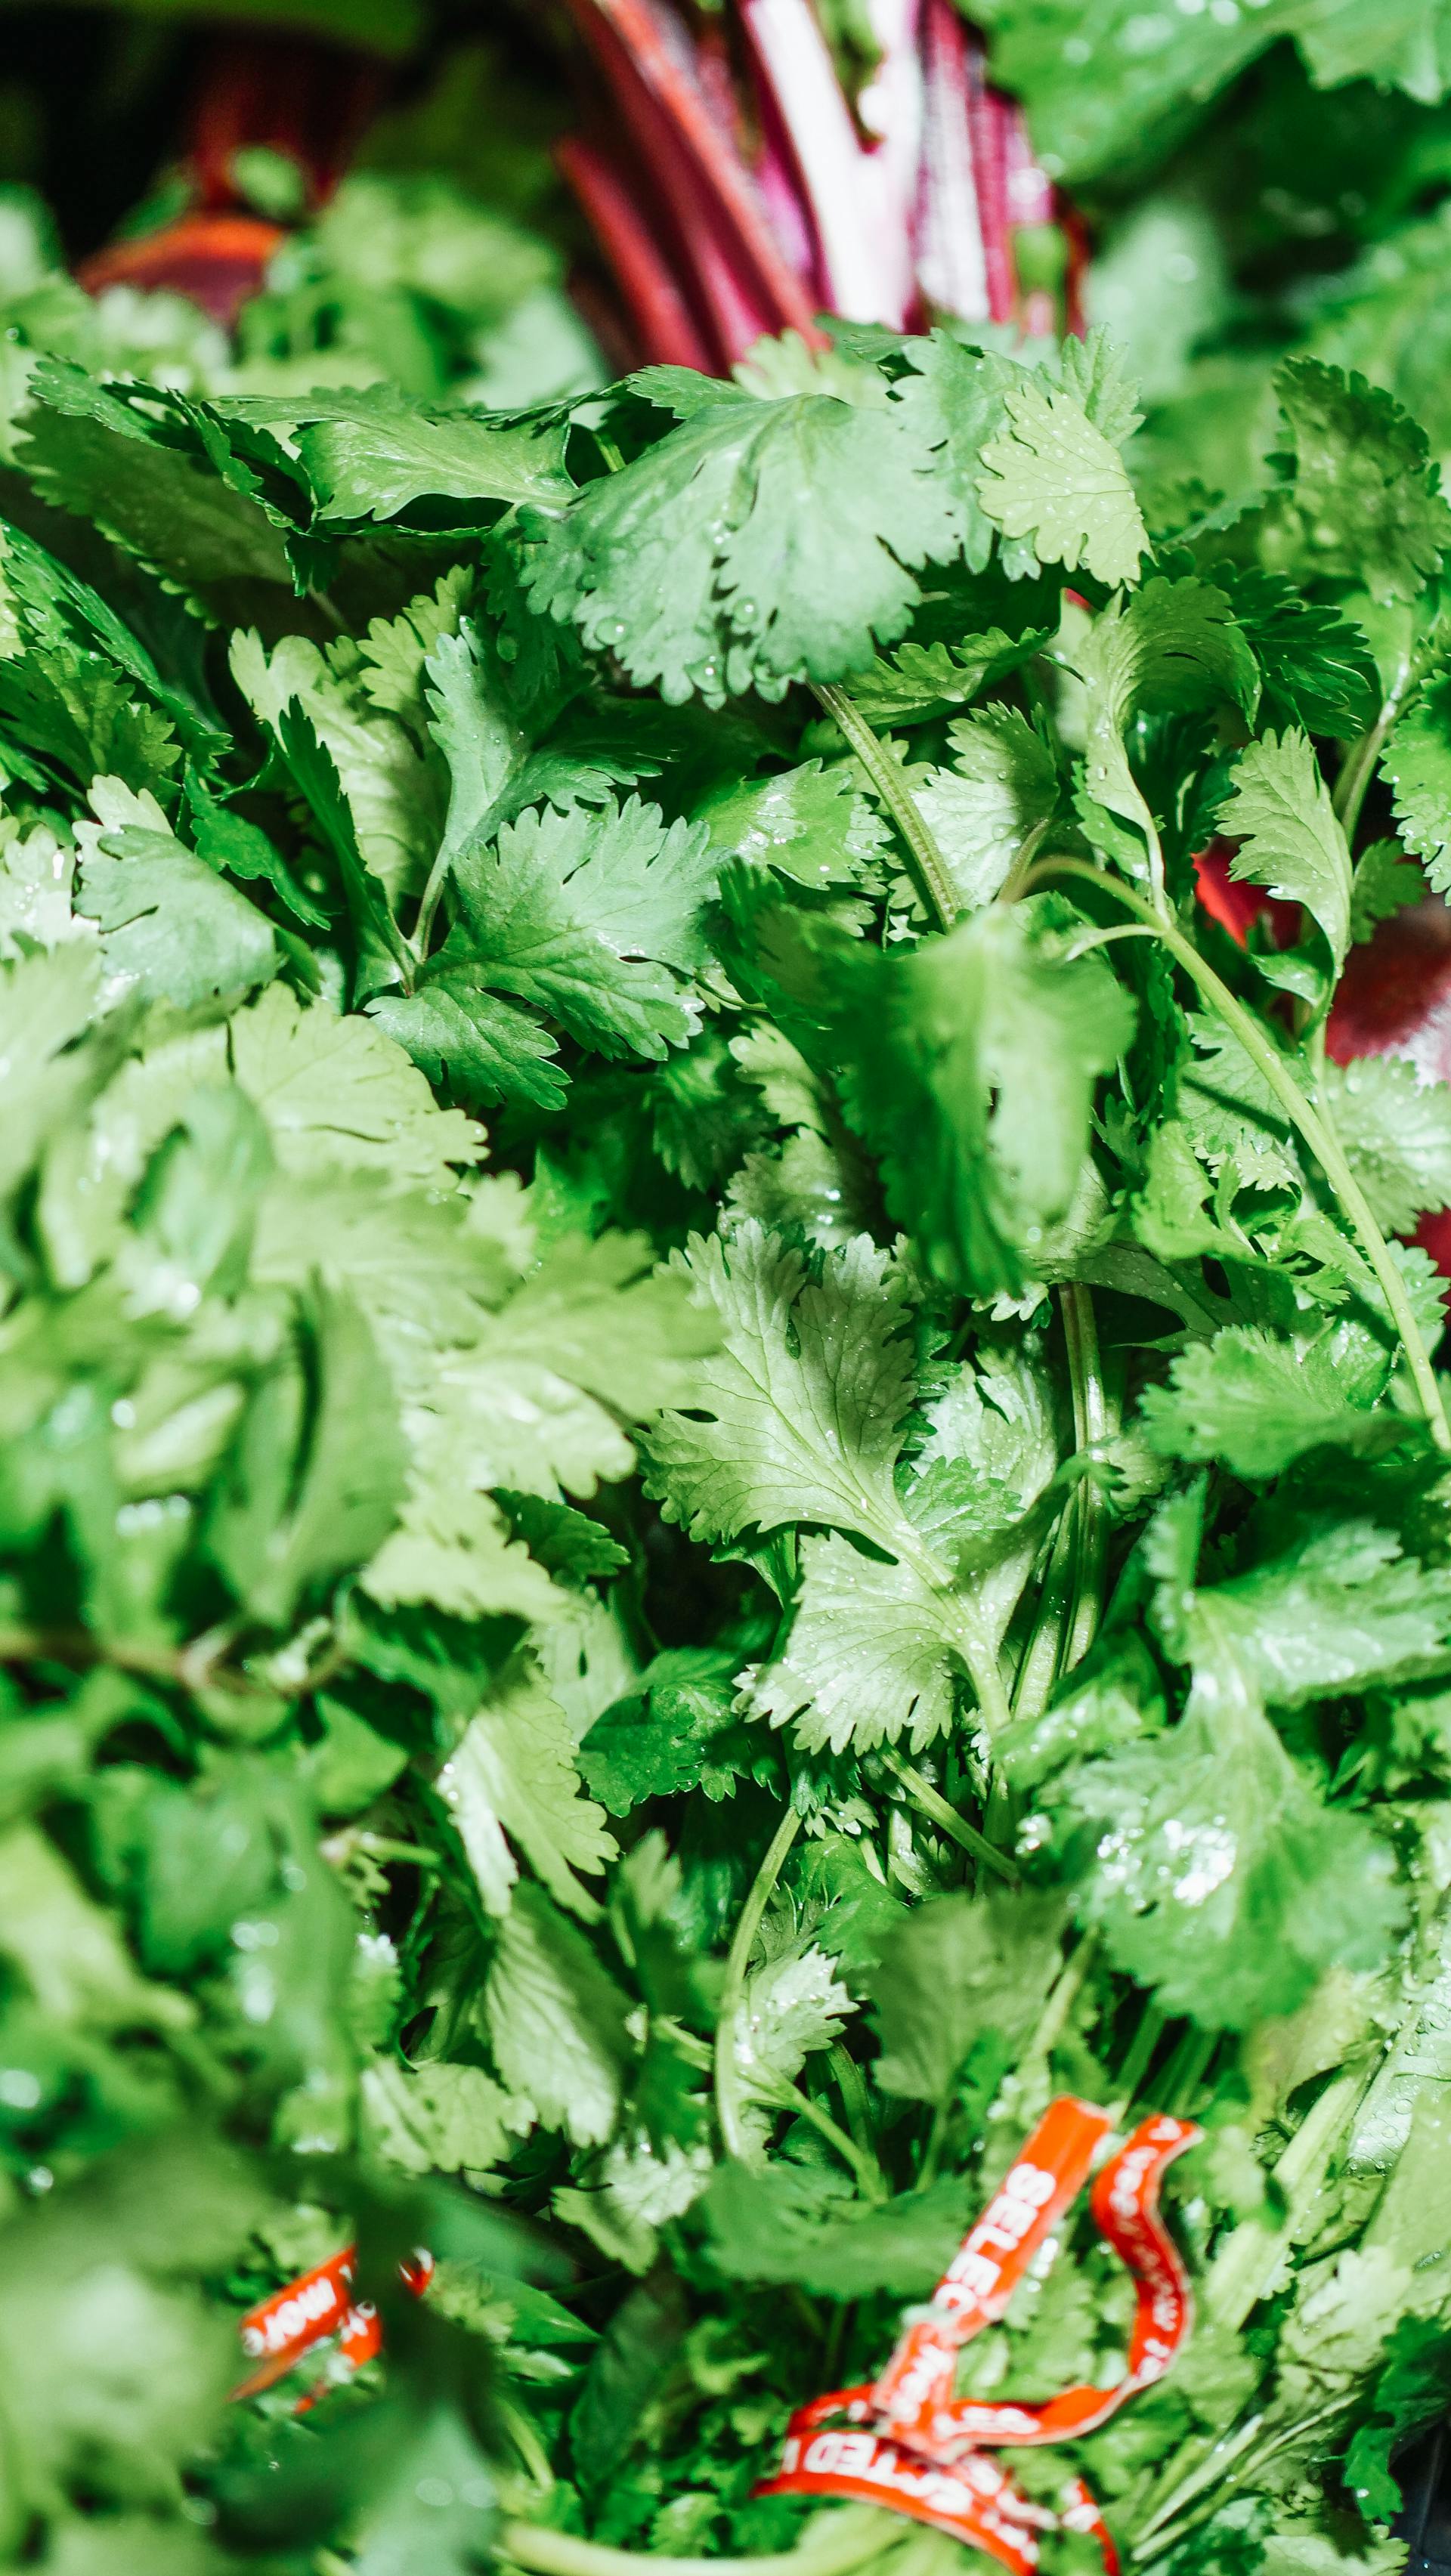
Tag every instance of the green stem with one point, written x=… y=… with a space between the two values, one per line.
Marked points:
x=432 y=892
x=1324 y=1144
x=851 y=2084
x=1063 y=1995
x=1038 y=1669
x=934 y=879
x=856 y=2159
x=848 y=2541
x=734 y=2133
x=1185 y=2071
x=1248 y=2261
x=1136 y=2065
x=1091 y=1427
x=1210 y=2472
x=946 y=1817
x=1360 y=760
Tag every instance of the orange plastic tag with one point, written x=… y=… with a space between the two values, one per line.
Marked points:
x=919 y=2449
x=308 y=2311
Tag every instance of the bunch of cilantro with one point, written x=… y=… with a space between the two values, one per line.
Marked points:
x=718 y=1458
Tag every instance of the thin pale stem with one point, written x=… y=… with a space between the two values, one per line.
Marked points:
x=729 y=2109
x=1038 y=1669
x=432 y=893
x=934 y=878
x=1360 y=760
x=562 y=2553
x=856 y=2159
x=1140 y=2055
x=1067 y=1986
x=946 y=1818
x=1091 y=1428
x=1324 y=1144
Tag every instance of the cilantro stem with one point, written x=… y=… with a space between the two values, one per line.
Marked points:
x=934 y=879
x=1090 y=1430
x=1324 y=1144
x=1246 y=2264
x=857 y=2160
x=728 y=2105
x=1360 y=760
x=945 y=1816
x=563 y=2553
x=1140 y=2054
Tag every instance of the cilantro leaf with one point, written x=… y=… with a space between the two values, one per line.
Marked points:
x=1416 y=764
x=735 y=553
x=1361 y=499
x=969 y=1065
x=512 y=1774
x=799 y=1416
x=1290 y=837
x=1259 y=1402
x=1396 y=1131
x=1053 y=478
x=556 y=2020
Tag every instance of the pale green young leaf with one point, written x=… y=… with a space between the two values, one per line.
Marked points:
x=1053 y=478
x=47 y=1002
x=791 y=2007
x=957 y=1970
x=1416 y=764
x=1362 y=500
x=512 y=1780
x=592 y=916
x=1290 y=837
x=1096 y=374
x=1258 y=1402
x=874 y=1654
x=37 y=871
x=1001 y=786
x=811 y=823
x=371 y=455
x=453 y=1549
x=395 y=795
x=921 y=681
x=955 y=400
x=1232 y=1889
x=424 y=1276
x=336 y=1093
x=880 y=1651
x=798 y=1416
x=170 y=928
x=757 y=544
x=284 y=1526
x=437 y=2118
x=1343 y=1608
x=1396 y=1131
x=556 y=2021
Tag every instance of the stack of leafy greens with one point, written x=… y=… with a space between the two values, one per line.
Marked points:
x=437 y=265
x=717 y=1461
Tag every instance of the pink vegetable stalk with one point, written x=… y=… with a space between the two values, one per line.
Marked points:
x=729 y=211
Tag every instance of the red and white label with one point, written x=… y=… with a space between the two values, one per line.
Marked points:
x=919 y=2450
x=282 y=2329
